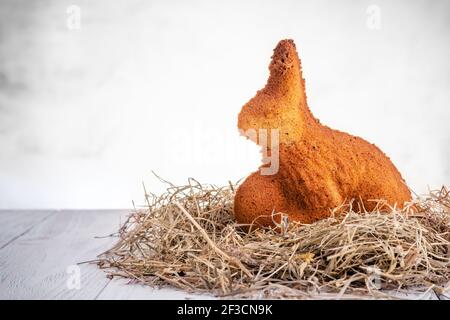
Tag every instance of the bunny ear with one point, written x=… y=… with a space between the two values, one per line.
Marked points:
x=284 y=57
x=285 y=69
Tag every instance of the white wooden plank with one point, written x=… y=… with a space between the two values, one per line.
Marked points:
x=35 y=265
x=121 y=289
x=413 y=294
x=15 y=223
x=446 y=294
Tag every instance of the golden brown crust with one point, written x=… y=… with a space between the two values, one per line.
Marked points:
x=320 y=168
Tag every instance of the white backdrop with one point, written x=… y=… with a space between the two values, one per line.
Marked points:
x=86 y=114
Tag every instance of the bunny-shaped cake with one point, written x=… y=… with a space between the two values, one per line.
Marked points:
x=319 y=168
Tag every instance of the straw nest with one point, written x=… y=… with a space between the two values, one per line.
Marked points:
x=187 y=238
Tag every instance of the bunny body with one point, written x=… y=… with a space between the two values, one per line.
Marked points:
x=319 y=168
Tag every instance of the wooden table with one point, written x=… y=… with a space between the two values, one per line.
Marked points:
x=39 y=252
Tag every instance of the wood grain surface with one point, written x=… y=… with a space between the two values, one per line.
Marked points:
x=40 y=252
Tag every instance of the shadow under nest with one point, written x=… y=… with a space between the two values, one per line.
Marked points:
x=188 y=238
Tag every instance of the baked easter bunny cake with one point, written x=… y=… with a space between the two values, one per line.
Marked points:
x=319 y=168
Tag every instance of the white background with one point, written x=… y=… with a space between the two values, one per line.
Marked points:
x=85 y=115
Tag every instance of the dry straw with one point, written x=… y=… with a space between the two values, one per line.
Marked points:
x=188 y=238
